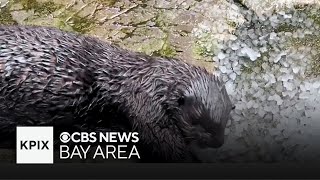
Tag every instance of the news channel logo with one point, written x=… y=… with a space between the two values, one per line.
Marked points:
x=65 y=137
x=34 y=145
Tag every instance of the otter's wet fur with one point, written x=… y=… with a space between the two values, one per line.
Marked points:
x=52 y=77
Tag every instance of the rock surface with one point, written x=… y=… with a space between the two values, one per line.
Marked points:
x=271 y=70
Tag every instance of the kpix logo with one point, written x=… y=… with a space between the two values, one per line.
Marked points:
x=39 y=145
x=34 y=145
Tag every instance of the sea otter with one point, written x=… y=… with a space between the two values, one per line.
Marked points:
x=77 y=82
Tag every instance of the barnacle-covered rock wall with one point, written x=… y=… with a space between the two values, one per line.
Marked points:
x=270 y=65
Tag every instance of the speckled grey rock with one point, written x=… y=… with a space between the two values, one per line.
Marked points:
x=269 y=71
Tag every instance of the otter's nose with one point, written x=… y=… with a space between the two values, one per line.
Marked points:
x=217 y=141
x=217 y=144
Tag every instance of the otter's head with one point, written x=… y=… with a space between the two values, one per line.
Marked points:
x=205 y=106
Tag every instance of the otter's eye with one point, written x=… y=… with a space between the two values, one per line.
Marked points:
x=233 y=107
x=181 y=101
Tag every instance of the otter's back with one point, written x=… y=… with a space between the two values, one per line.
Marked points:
x=42 y=73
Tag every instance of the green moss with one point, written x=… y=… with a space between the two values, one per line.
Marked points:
x=68 y=20
x=127 y=32
x=27 y=4
x=148 y=48
x=314 y=42
x=315 y=66
x=285 y=28
x=315 y=17
x=166 y=51
x=81 y=24
x=308 y=40
x=254 y=64
x=259 y=62
x=247 y=70
x=107 y=2
x=200 y=51
x=300 y=7
x=232 y=24
x=161 y=20
x=313 y=13
x=71 y=21
x=47 y=8
x=204 y=47
x=6 y=17
x=40 y=8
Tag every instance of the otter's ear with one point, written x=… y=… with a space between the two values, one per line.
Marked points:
x=181 y=100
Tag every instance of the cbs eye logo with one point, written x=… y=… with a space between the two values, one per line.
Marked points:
x=78 y=137
x=65 y=137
